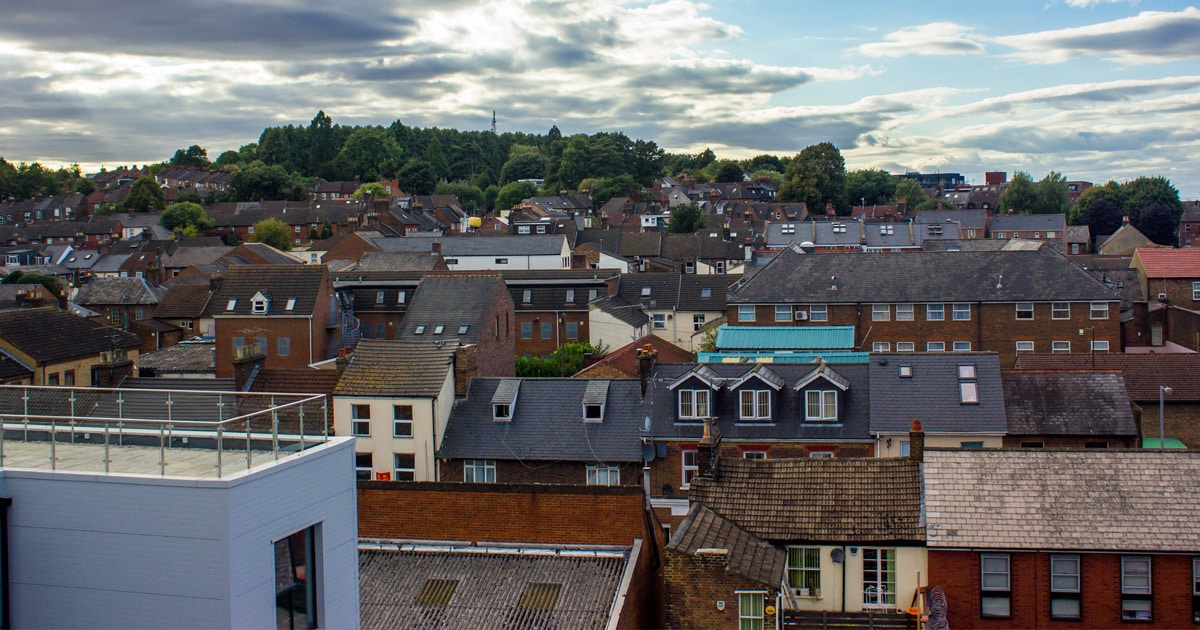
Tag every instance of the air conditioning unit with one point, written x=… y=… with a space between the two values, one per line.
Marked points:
x=801 y=316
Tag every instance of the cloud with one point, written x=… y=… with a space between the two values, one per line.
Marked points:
x=1148 y=37
x=937 y=38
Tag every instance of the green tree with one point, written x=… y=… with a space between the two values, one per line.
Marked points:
x=708 y=341
x=194 y=155
x=259 y=181
x=727 y=171
x=417 y=177
x=1112 y=192
x=1102 y=217
x=606 y=188
x=1020 y=196
x=523 y=166
x=564 y=361
x=185 y=214
x=870 y=186
x=326 y=229
x=228 y=159
x=20 y=277
x=1156 y=222
x=765 y=162
x=816 y=177
x=85 y=186
x=471 y=197
x=144 y=195
x=375 y=189
x=514 y=193
x=1144 y=192
x=273 y=232
x=372 y=154
x=686 y=218
x=908 y=190
x=1051 y=195
x=321 y=147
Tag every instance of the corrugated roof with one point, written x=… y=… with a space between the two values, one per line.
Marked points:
x=382 y=367
x=802 y=338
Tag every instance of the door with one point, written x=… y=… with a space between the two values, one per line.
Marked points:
x=879 y=578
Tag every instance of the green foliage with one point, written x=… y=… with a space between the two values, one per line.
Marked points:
x=144 y=196
x=911 y=192
x=372 y=154
x=686 y=218
x=20 y=277
x=273 y=232
x=514 y=193
x=1144 y=192
x=1020 y=196
x=606 y=188
x=870 y=186
x=726 y=171
x=523 y=166
x=186 y=214
x=1102 y=217
x=817 y=176
x=469 y=196
x=104 y=210
x=188 y=195
x=375 y=189
x=417 y=177
x=25 y=181
x=564 y=361
x=1110 y=192
x=259 y=181
x=228 y=159
x=489 y=196
x=708 y=341
x=1051 y=195
x=1157 y=224
x=85 y=186
x=194 y=155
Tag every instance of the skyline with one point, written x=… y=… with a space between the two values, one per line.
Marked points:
x=1094 y=89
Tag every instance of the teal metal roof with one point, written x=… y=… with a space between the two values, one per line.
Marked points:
x=782 y=357
x=1172 y=443
x=801 y=338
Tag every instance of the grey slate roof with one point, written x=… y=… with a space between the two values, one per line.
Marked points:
x=49 y=335
x=748 y=555
x=614 y=305
x=1039 y=275
x=180 y=358
x=932 y=396
x=280 y=283
x=126 y=291
x=1067 y=403
x=547 y=423
x=1095 y=500
x=184 y=257
x=451 y=302
x=678 y=291
x=1028 y=223
x=549 y=245
x=379 y=367
x=788 y=409
x=487 y=587
x=968 y=219
x=397 y=261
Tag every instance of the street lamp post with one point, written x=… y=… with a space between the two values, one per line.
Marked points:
x=1162 y=437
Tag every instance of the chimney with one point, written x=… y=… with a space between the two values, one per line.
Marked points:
x=709 y=450
x=114 y=368
x=215 y=281
x=247 y=361
x=466 y=367
x=437 y=248
x=646 y=356
x=916 y=442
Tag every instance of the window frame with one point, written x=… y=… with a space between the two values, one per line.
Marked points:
x=1196 y=290
x=1022 y=350
x=1060 y=347
x=358 y=421
x=572 y=330
x=1066 y=594
x=906 y=312
x=688 y=470
x=473 y=469
x=961 y=346
x=935 y=346
x=935 y=312
x=659 y=321
x=1098 y=307
x=1100 y=345
x=1057 y=310
x=826 y=405
x=759 y=403
x=364 y=466
x=743 y=311
x=1135 y=595
x=1023 y=311
x=399 y=472
x=881 y=346
x=603 y=475
x=751 y=617
x=783 y=313
x=906 y=346
x=806 y=573
x=818 y=312
x=694 y=403
x=965 y=311
x=398 y=421
x=526 y=330
x=881 y=312
x=995 y=592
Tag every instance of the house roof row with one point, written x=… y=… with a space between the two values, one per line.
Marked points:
x=288 y=289
x=48 y=334
x=676 y=291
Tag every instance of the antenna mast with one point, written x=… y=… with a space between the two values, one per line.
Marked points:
x=493 y=121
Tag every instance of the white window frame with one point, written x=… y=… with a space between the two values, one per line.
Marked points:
x=758 y=401
x=1024 y=346
x=1060 y=347
x=751 y=610
x=962 y=346
x=745 y=313
x=1063 y=591
x=1098 y=310
x=820 y=405
x=935 y=346
x=479 y=471
x=660 y=321
x=404 y=472
x=881 y=312
x=881 y=346
x=398 y=422
x=1196 y=291
x=960 y=308
x=906 y=346
x=935 y=312
x=1060 y=310
x=999 y=587
x=1024 y=311
x=603 y=475
x=1100 y=345
x=694 y=403
x=1137 y=588
x=804 y=569
x=783 y=313
x=756 y=454
x=689 y=465
x=818 y=313
x=905 y=312
x=697 y=322
x=360 y=426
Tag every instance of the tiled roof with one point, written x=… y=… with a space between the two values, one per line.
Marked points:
x=932 y=393
x=189 y=256
x=624 y=359
x=995 y=276
x=436 y=587
x=550 y=245
x=295 y=381
x=632 y=314
x=452 y=302
x=280 y=283
x=785 y=338
x=1028 y=223
x=678 y=291
x=747 y=555
x=380 y=367
x=547 y=423
x=11 y=368
x=397 y=261
x=1067 y=403
x=1105 y=500
x=185 y=357
x=183 y=301
x=1079 y=234
x=968 y=219
x=126 y=291
x=831 y=501
x=1143 y=372
x=49 y=335
x=1170 y=263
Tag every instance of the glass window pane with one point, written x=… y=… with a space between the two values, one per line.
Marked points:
x=995 y=607
x=1064 y=608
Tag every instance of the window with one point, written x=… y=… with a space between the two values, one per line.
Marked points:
x=879 y=578
x=935 y=312
x=402 y=421
x=572 y=330
x=1060 y=310
x=960 y=312
x=439 y=329
x=527 y=296
x=401 y=297
x=804 y=569
x=971 y=445
x=501 y=412
x=996 y=583
x=1099 y=346
x=603 y=475
x=52 y=380
x=547 y=330
x=697 y=322
x=522 y=229
x=756 y=404
x=541 y=229
x=935 y=346
x=906 y=346
x=706 y=292
x=462 y=330
x=1099 y=310
x=820 y=454
x=69 y=378
x=1196 y=291
x=750 y=611
x=231 y=304
x=881 y=346
x=905 y=449
x=420 y=330
x=570 y=296
x=1060 y=347
x=479 y=471
x=592 y=293
x=966 y=371
x=689 y=461
x=1024 y=310
x=745 y=313
x=379 y=297
x=501 y=261
x=360 y=420
x=904 y=312
x=821 y=405
x=1024 y=346
x=881 y=312
x=689 y=267
x=660 y=321
x=999 y=234
x=645 y=291
x=962 y=346
x=527 y=330
x=969 y=392
x=1095 y=445
x=283 y=346
x=818 y=312
x=783 y=313
x=296 y=576
x=251 y=229
x=1196 y=590
x=1136 y=602
x=755 y=454
x=451 y=261
x=362 y=466
x=1064 y=587
x=404 y=467
x=693 y=403
x=291 y=305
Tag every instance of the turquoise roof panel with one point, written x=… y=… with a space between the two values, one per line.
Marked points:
x=782 y=357
x=799 y=338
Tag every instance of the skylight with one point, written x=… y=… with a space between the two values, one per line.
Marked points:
x=231 y=305
x=420 y=330
x=291 y=304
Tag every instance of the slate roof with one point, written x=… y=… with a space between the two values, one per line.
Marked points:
x=126 y=291
x=617 y=307
x=676 y=291
x=452 y=301
x=1041 y=275
x=397 y=261
x=484 y=587
x=184 y=257
x=1079 y=234
x=547 y=423
x=640 y=244
x=280 y=283
x=1067 y=403
x=1106 y=500
x=828 y=501
x=1143 y=372
x=1170 y=263
x=785 y=338
x=409 y=369
x=549 y=245
x=748 y=555
x=183 y=301
x=49 y=335
x=968 y=219
x=788 y=410
x=11 y=368
x=110 y=263
x=1028 y=223
x=190 y=358
x=1124 y=281
x=932 y=394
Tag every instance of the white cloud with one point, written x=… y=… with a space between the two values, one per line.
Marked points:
x=1148 y=37
x=937 y=38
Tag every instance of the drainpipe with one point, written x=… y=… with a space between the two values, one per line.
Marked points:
x=845 y=561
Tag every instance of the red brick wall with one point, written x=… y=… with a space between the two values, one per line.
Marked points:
x=1178 y=290
x=295 y=328
x=1183 y=327
x=958 y=573
x=563 y=473
x=538 y=346
x=694 y=585
x=392 y=323
x=501 y=513
x=497 y=341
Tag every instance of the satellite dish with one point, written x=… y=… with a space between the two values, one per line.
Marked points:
x=648 y=452
x=837 y=555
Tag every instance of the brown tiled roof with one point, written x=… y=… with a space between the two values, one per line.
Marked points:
x=624 y=359
x=747 y=555
x=1170 y=263
x=852 y=500
x=49 y=335
x=381 y=367
x=295 y=381
x=1143 y=372
x=183 y=302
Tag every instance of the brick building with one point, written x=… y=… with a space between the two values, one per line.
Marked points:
x=472 y=309
x=551 y=307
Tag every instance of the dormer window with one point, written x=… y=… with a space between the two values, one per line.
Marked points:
x=260 y=303
x=505 y=400
x=527 y=296
x=821 y=405
x=755 y=404
x=501 y=412
x=379 y=297
x=693 y=404
x=594 y=399
x=401 y=297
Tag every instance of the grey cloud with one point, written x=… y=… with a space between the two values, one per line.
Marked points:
x=719 y=81
x=1041 y=141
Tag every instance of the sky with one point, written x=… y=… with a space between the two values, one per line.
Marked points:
x=1092 y=89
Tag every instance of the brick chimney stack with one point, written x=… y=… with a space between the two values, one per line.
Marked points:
x=916 y=442
x=646 y=355
x=708 y=450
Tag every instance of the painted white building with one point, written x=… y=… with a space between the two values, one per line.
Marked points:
x=506 y=252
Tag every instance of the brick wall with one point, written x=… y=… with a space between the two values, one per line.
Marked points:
x=561 y=472
x=1183 y=326
x=695 y=583
x=539 y=346
x=497 y=340
x=1178 y=290
x=507 y=513
x=958 y=573
x=272 y=328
